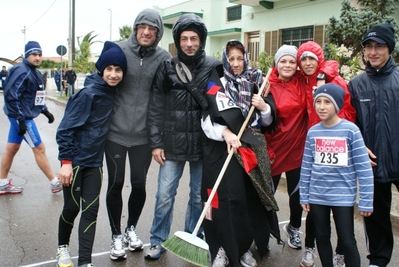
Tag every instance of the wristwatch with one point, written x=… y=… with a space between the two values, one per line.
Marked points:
x=321 y=77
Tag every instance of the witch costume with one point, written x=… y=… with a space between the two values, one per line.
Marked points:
x=242 y=209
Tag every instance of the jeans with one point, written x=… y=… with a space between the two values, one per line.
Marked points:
x=168 y=181
x=71 y=89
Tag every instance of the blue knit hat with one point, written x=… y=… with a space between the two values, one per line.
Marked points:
x=32 y=47
x=112 y=54
x=333 y=92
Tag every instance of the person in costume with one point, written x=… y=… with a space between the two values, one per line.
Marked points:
x=244 y=199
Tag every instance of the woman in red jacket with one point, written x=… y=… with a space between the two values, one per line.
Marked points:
x=286 y=143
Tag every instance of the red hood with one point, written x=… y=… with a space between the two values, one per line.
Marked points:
x=316 y=49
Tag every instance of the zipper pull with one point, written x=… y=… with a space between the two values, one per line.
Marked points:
x=141 y=62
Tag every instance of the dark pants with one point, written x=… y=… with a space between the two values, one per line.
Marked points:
x=83 y=193
x=344 y=224
x=292 y=180
x=379 y=227
x=139 y=160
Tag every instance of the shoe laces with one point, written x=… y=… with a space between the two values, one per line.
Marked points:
x=117 y=242
x=63 y=252
x=295 y=233
x=131 y=233
x=221 y=259
x=309 y=254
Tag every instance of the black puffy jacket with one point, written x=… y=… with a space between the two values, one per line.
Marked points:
x=375 y=95
x=174 y=116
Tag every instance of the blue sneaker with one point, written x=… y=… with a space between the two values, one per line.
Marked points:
x=154 y=252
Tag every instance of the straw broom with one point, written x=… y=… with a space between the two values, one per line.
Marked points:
x=188 y=246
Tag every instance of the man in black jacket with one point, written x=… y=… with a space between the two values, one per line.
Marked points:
x=174 y=126
x=375 y=95
x=70 y=76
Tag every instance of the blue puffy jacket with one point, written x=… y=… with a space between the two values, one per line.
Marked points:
x=21 y=98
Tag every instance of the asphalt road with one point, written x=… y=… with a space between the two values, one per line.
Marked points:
x=29 y=221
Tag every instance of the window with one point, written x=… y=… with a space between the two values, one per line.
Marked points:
x=234 y=13
x=297 y=36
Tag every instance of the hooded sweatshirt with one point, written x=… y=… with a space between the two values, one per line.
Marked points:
x=128 y=123
x=330 y=69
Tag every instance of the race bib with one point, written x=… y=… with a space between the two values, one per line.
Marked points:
x=223 y=102
x=331 y=151
x=40 y=99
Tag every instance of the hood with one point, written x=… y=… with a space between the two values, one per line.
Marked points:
x=189 y=22
x=150 y=17
x=313 y=47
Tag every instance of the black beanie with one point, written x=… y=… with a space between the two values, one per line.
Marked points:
x=112 y=54
x=333 y=92
x=382 y=34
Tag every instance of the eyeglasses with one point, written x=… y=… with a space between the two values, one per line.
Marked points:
x=143 y=27
x=377 y=47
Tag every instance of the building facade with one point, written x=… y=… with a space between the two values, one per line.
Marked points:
x=260 y=25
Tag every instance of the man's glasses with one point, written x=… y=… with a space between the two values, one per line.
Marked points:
x=143 y=27
x=377 y=47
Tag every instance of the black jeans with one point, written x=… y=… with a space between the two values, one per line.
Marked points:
x=83 y=193
x=139 y=160
x=344 y=224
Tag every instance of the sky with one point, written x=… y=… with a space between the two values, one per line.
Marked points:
x=46 y=21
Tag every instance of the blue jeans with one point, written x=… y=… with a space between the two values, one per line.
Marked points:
x=168 y=181
x=71 y=89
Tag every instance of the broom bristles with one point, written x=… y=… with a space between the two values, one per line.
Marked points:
x=188 y=247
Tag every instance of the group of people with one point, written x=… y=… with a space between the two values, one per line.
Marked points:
x=66 y=80
x=209 y=112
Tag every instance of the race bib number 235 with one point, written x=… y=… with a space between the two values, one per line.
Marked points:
x=331 y=151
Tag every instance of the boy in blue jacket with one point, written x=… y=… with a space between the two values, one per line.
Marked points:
x=81 y=138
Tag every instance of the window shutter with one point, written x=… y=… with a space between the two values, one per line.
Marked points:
x=271 y=42
x=172 y=49
x=320 y=35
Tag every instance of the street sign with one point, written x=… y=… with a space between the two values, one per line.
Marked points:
x=61 y=50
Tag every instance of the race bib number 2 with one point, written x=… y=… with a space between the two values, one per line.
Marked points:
x=331 y=151
x=40 y=99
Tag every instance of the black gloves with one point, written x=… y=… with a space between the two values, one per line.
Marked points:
x=49 y=116
x=22 y=127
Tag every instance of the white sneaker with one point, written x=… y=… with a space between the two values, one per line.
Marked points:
x=221 y=259
x=132 y=239
x=247 y=260
x=338 y=260
x=63 y=257
x=117 y=249
x=308 y=258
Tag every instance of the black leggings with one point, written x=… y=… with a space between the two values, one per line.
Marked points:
x=292 y=180
x=84 y=192
x=139 y=159
x=344 y=224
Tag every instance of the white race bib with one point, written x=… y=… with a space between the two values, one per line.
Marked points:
x=223 y=102
x=331 y=151
x=40 y=99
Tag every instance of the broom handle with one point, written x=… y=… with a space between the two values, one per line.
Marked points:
x=227 y=161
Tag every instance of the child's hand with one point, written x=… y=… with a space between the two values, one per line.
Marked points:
x=306 y=207
x=365 y=213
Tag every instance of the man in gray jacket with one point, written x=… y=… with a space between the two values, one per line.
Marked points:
x=128 y=134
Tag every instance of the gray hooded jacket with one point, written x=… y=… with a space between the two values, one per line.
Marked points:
x=128 y=123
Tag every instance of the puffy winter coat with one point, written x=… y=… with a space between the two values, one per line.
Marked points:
x=375 y=95
x=330 y=69
x=174 y=116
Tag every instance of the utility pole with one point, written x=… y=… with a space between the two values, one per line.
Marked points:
x=24 y=32
x=71 y=39
x=110 y=24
